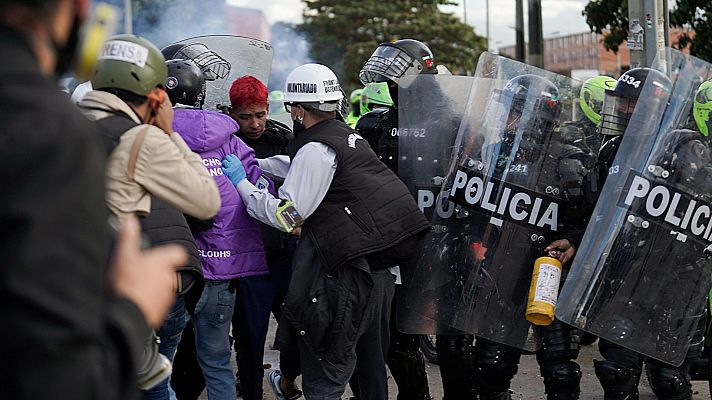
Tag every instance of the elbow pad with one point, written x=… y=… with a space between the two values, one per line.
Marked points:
x=288 y=216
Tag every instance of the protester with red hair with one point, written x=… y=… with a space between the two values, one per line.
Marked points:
x=250 y=107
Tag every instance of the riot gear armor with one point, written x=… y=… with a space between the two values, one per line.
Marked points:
x=619 y=382
x=185 y=83
x=495 y=366
x=456 y=357
x=560 y=345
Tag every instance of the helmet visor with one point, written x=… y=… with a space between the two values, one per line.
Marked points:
x=616 y=114
x=211 y=64
x=386 y=63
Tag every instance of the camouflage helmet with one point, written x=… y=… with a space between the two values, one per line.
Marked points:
x=130 y=63
x=375 y=95
x=702 y=106
x=592 y=95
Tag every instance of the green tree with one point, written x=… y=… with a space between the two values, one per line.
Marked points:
x=611 y=16
x=695 y=14
x=343 y=33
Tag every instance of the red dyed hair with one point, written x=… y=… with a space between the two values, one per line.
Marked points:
x=247 y=91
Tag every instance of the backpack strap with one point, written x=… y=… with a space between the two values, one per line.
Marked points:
x=135 y=148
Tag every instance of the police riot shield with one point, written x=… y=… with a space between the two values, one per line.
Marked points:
x=227 y=58
x=504 y=182
x=429 y=115
x=642 y=271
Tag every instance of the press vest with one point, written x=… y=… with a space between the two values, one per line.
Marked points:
x=367 y=209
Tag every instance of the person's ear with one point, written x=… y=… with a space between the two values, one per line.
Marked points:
x=156 y=97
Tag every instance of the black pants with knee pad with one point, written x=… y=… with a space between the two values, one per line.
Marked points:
x=405 y=360
x=619 y=372
x=455 y=359
x=495 y=365
x=674 y=383
x=560 y=345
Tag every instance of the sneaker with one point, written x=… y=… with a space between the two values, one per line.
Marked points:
x=274 y=378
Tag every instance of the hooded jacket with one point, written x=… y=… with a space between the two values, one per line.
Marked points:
x=233 y=247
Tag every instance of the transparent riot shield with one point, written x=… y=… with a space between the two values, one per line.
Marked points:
x=642 y=271
x=429 y=115
x=234 y=56
x=503 y=182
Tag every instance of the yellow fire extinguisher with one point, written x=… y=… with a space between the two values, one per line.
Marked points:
x=544 y=291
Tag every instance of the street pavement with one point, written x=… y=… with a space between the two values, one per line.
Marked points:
x=527 y=385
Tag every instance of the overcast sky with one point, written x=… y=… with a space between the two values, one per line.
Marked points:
x=559 y=16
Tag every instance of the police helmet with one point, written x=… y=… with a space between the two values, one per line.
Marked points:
x=210 y=63
x=525 y=111
x=702 y=106
x=619 y=103
x=276 y=102
x=592 y=94
x=185 y=83
x=393 y=61
x=375 y=95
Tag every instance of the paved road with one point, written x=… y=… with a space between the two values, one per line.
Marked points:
x=527 y=385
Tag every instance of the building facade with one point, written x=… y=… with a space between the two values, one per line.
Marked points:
x=584 y=51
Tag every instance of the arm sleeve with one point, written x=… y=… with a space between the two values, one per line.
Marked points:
x=167 y=168
x=276 y=165
x=305 y=185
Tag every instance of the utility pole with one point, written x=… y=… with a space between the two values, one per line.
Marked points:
x=647 y=32
x=488 y=23
x=536 y=35
x=519 y=52
x=464 y=10
x=128 y=17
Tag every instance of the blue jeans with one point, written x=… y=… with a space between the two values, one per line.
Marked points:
x=170 y=334
x=213 y=314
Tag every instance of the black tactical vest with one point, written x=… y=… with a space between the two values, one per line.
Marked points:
x=367 y=208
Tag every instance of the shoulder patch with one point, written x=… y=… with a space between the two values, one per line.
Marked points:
x=353 y=138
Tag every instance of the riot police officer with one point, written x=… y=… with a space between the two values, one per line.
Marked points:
x=524 y=151
x=582 y=132
x=392 y=64
x=685 y=156
x=355 y=108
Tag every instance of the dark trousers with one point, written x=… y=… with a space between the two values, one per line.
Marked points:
x=281 y=273
x=253 y=303
x=325 y=381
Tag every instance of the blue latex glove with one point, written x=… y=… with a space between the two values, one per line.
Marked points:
x=233 y=169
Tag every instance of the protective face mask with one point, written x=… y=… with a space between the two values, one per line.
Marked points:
x=297 y=127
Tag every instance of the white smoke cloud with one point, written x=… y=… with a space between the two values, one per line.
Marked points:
x=290 y=51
